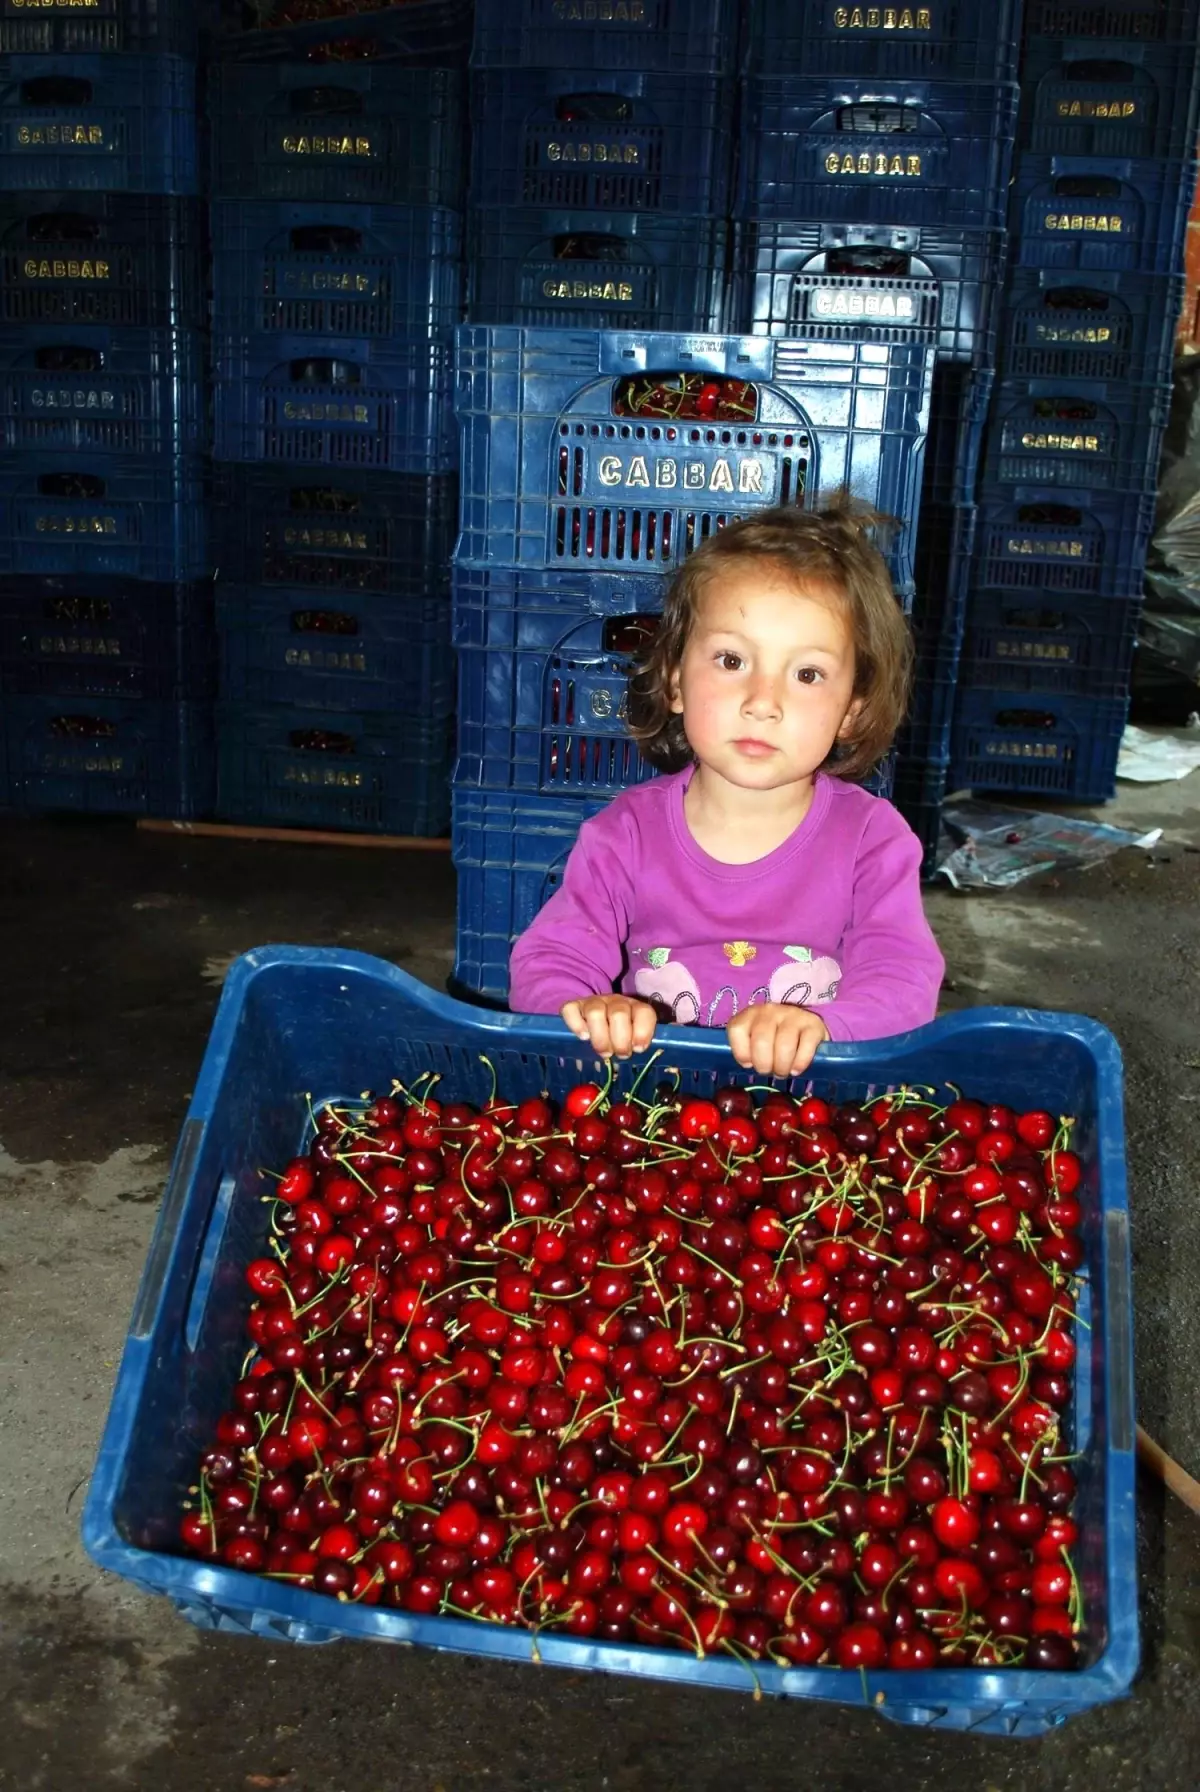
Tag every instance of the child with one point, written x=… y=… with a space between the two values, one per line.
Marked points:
x=754 y=887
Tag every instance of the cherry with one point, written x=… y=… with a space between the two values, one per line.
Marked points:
x=1049 y=1651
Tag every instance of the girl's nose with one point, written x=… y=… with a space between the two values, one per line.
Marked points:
x=763 y=698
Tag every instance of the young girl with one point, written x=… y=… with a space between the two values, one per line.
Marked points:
x=754 y=887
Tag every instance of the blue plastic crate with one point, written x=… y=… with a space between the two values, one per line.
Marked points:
x=959 y=40
x=927 y=734
x=1081 y=97
x=118 y=124
x=1033 y=538
x=430 y=32
x=666 y=36
x=492 y=604
x=1106 y=213
x=99 y=389
x=958 y=415
x=109 y=756
x=601 y=140
x=557 y=470
x=106 y=638
x=316 y=401
x=305 y=650
x=376 y=272
x=93 y=514
x=77 y=27
x=547 y=713
x=946 y=536
x=853 y=282
x=351 y=133
x=919 y=793
x=102 y=258
x=335 y=1022
x=1090 y=326
x=510 y=851
x=339 y=532
x=1149 y=21
x=1078 y=433
x=1042 y=743
x=1042 y=641
x=315 y=768
x=906 y=152
x=579 y=270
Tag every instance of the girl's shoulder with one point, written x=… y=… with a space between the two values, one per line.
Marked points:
x=871 y=818
x=641 y=810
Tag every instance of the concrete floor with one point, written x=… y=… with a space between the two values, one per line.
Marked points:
x=114 y=947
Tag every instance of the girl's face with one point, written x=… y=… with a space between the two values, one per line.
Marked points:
x=766 y=682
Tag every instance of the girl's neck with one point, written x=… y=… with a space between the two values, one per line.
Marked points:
x=737 y=826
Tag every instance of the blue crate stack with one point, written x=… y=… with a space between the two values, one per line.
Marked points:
x=601 y=164
x=876 y=144
x=106 y=630
x=338 y=160
x=1102 y=185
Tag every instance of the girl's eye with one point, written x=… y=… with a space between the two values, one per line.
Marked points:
x=730 y=662
x=809 y=675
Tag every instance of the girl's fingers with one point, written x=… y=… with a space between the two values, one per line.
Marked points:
x=814 y=1033
x=620 y=1028
x=614 y=1026
x=572 y=1014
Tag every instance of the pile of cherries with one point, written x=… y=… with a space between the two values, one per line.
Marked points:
x=785 y=1382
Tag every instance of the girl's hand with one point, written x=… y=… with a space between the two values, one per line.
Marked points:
x=617 y=1026
x=776 y=1038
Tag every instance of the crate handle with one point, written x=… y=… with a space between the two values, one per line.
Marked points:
x=1098 y=70
x=75 y=727
x=1118 y=1315
x=321 y=740
x=593 y=108
x=628 y=635
x=66 y=357
x=875 y=118
x=162 y=1245
x=1055 y=516
x=56 y=90
x=62 y=227
x=325 y=371
x=206 y=1262
x=1076 y=298
x=327 y=499
x=326 y=99
x=71 y=485
x=326 y=239
x=1043 y=719
x=1044 y=621
x=324 y=622
x=864 y=259
x=1087 y=186
x=1066 y=410
x=575 y=245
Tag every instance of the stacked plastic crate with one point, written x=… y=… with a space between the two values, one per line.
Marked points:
x=602 y=154
x=876 y=143
x=105 y=620
x=1102 y=186
x=338 y=159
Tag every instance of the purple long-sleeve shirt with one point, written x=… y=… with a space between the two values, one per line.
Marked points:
x=832 y=919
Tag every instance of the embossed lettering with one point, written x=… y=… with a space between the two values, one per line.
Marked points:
x=35 y=269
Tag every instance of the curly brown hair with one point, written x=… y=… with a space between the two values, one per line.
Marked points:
x=833 y=545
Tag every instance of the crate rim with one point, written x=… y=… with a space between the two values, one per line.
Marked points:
x=1109 y=1677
